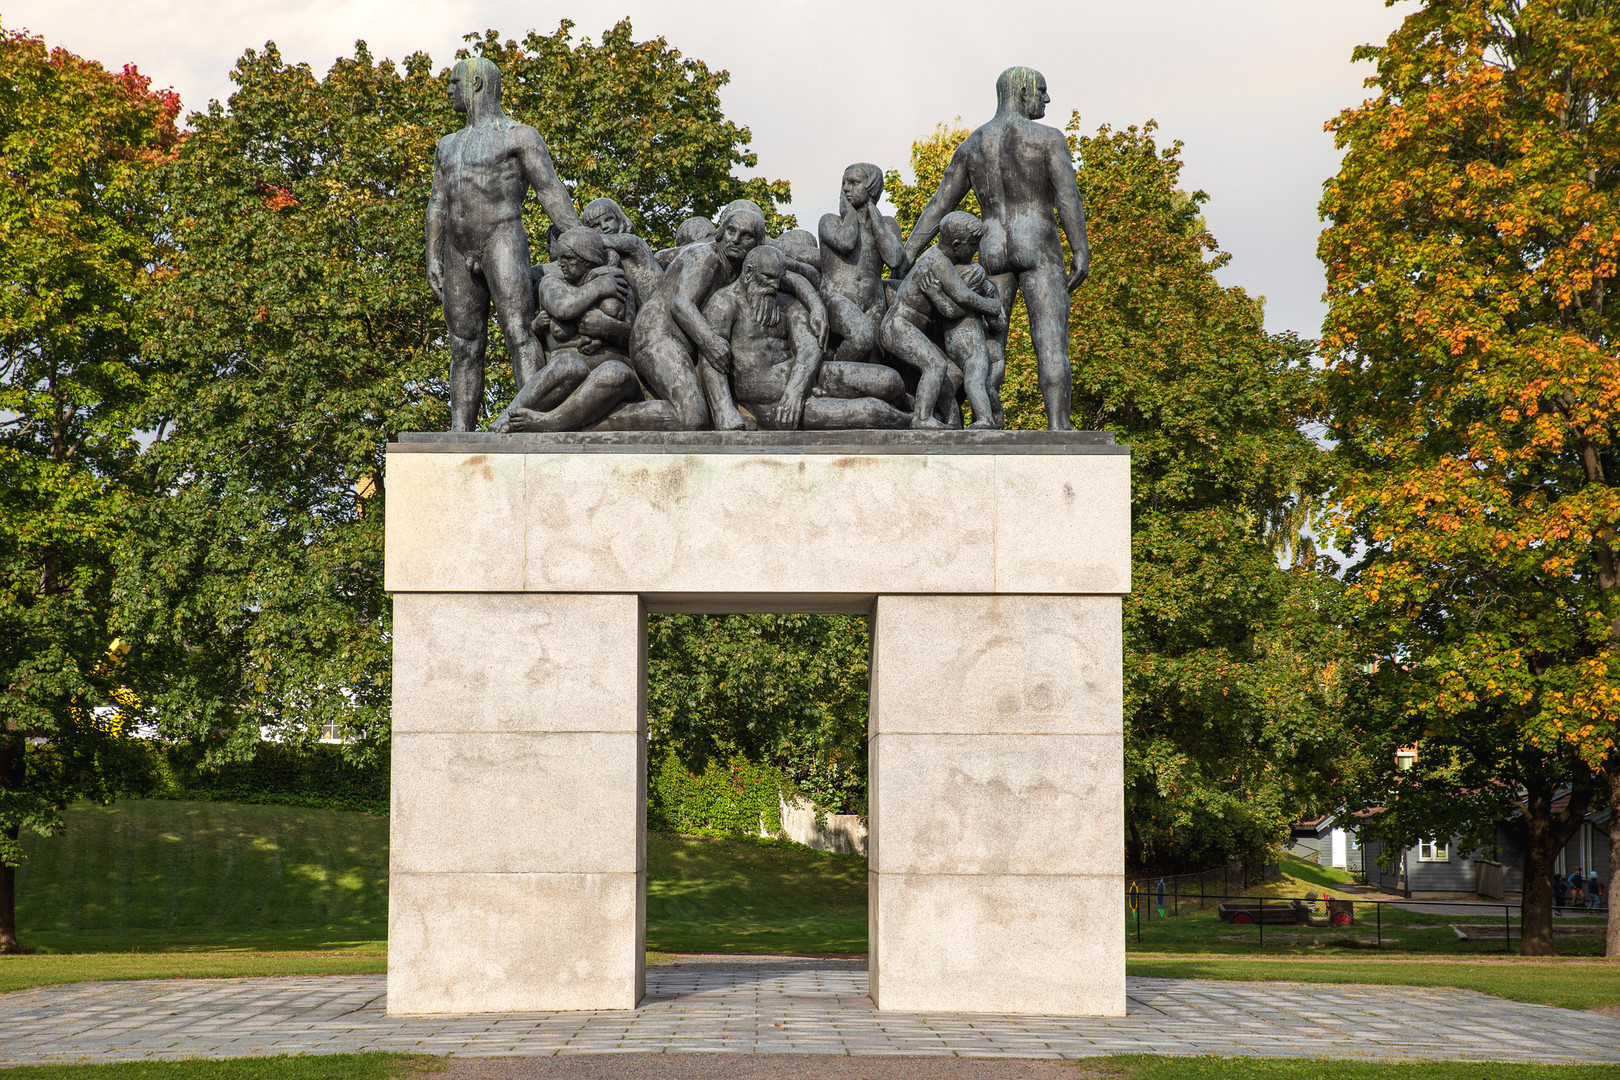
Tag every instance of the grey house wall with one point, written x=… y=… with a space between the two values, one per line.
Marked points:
x=1309 y=848
x=1318 y=848
x=1457 y=873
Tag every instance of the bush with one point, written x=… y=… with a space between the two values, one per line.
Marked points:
x=317 y=776
x=732 y=796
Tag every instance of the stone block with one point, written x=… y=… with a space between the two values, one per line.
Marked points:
x=514 y=662
x=797 y=524
x=997 y=804
x=471 y=943
x=689 y=523
x=1060 y=528
x=455 y=522
x=979 y=943
x=997 y=665
x=546 y=802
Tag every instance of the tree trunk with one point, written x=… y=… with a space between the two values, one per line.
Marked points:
x=1611 y=773
x=1546 y=834
x=11 y=776
x=8 y=904
x=1536 y=905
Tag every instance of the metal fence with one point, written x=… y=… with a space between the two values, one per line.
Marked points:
x=1165 y=899
x=1184 y=889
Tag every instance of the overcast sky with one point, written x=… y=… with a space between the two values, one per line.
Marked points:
x=1245 y=84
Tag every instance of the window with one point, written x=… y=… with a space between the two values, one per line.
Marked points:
x=1433 y=851
x=1405 y=759
x=332 y=731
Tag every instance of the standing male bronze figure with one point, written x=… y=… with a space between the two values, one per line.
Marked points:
x=1021 y=171
x=477 y=248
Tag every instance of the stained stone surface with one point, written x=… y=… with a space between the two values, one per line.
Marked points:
x=802 y=520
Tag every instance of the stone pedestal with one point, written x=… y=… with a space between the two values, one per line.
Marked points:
x=522 y=567
x=517 y=868
x=995 y=789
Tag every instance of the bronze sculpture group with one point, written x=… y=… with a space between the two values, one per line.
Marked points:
x=735 y=330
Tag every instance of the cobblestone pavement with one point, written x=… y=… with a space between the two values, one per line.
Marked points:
x=786 y=1007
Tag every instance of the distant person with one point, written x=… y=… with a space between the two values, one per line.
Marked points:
x=1577 y=888
x=1594 y=890
x=1560 y=891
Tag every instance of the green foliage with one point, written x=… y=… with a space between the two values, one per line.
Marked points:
x=78 y=227
x=788 y=690
x=1232 y=663
x=1475 y=395
x=318 y=775
x=735 y=796
x=299 y=333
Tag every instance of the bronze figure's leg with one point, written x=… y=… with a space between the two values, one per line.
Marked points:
x=838 y=379
x=966 y=343
x=848 y=321
x=1046 y=296
x=910 y=344
x=506 y=270
x=466 y=317
x=666 y=368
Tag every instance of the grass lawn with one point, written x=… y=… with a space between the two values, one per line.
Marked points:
x=1187 y=928
x=1141 y=1067
x=752 y=896
x=160 y=889
x=1572 y=984
x=154 y=875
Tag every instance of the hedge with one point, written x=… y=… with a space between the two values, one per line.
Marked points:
x=316 y=776
x=732 y=796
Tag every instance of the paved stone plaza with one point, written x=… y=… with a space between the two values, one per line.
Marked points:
x=789 y=1006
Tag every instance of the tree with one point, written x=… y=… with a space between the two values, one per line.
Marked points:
x=1231 y=660
x=1473 y=238
x=79 y=221
x=301 y=334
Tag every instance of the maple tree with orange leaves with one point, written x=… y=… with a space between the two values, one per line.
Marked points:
x=1473 y=240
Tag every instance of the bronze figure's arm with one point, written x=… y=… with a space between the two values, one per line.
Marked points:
x=953 y=186
x=690 y=291
x=1071 y=208
x=841 y=231
x=891 y=248
x=808 y=295
x=438 y=210
x=555 y=198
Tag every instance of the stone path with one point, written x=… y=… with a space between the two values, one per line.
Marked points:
x=789 y=1007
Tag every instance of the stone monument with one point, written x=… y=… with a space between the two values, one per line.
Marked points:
x=524 y=561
